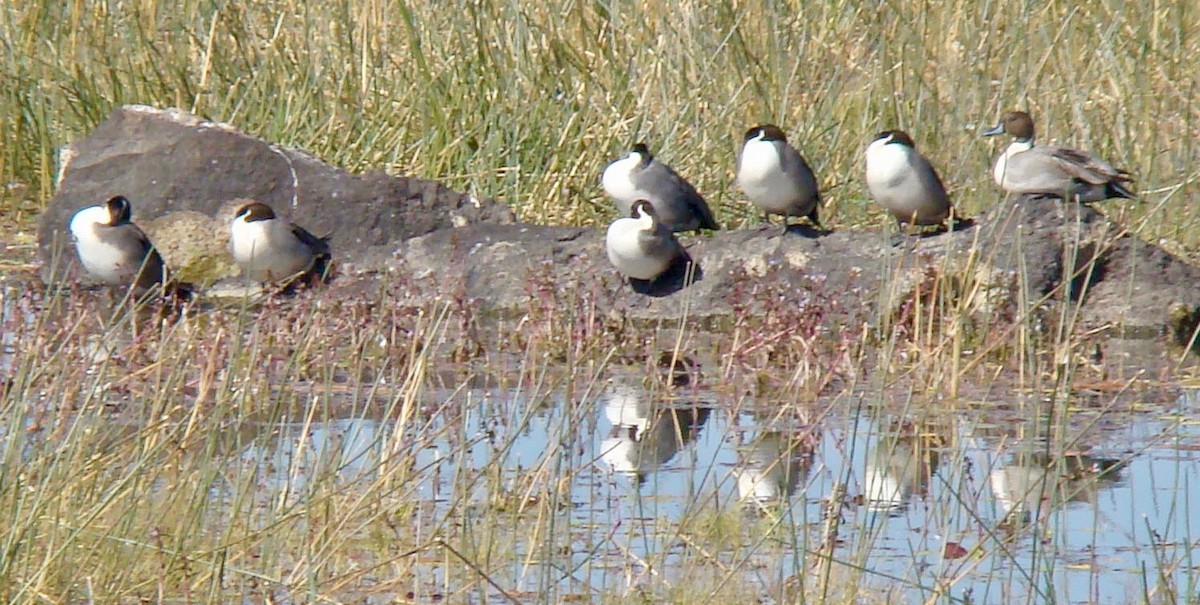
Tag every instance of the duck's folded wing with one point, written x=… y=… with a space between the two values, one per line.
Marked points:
x=659 y=243
x=319 y=245
x=662 y=181
x=796 y=167
x=930 y=180
x=1086 y=167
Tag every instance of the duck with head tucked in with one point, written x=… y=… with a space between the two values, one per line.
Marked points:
x=901 y=180
x=115 y=251
x=270 y=249
x=1052 y=170
x=775 y=176
x=641 y=176
x=640 y=246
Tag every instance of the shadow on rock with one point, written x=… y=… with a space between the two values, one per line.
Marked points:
x=921 y=233
x=682 y=273
x=962 y=224
x=805 y=230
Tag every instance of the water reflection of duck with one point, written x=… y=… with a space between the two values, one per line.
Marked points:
x=771 y=466
x=1037 y=480
x=348 y=450
x=901 y=465
x=645 y=433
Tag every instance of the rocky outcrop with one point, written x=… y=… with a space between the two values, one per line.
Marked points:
x=1119 y=284
x=1022 y=258
x=178 y=169
x=1018 y=260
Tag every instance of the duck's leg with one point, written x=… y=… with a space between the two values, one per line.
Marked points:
x=814 y=218
x=901 y=236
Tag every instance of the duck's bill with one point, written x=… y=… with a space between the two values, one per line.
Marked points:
x=995 y=130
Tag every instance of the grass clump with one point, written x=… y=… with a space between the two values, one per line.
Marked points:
x=146 y=467
x=527 y=103
x=213 y=460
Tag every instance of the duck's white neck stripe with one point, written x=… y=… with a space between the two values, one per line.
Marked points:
x=1018 y=146
x=645 y=222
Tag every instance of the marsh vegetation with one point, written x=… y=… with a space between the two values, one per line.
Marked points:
x=376 y=451
x=369 y=452
x=526 y=103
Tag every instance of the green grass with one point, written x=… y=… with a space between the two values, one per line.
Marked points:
x=526 y=102
x=140 y=473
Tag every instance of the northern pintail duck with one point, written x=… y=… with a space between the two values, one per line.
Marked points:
x=775 y=176
x=904 y=182
x=640 y=246
x=771 y=466
x=113 y=250
x=269 y=249
x=1025 y=168
x=645 y=433
x=640 y=176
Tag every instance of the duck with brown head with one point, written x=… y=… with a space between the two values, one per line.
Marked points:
x=1052 y=170
x=270 y=249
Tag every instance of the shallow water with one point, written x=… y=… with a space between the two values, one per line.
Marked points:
x=970 y=505
x=1003 y=496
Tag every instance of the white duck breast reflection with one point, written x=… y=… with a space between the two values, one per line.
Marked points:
x=645 y=433
x=772 y=465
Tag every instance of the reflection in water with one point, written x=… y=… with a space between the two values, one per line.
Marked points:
x=645 y=433
x=770 y=467
x=900 y=466
x=9 y=327
x=1038 y=481
x=345 y=450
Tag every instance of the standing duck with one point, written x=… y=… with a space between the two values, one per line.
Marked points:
x=1025 y=168
x=775 y=176
x=904 y=182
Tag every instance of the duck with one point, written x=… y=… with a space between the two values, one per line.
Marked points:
x=901 y=180
x=1052 y=170
x=115 y=251
x=270 y=249
x=640 y=175
x=775 y=176
x=640 y=246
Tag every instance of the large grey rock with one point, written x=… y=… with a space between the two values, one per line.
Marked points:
x=172 y=164
x=1022 y=260
x=1071 y=254
x=513 y=266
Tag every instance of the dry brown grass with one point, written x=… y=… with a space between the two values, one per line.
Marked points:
x=527 y=103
